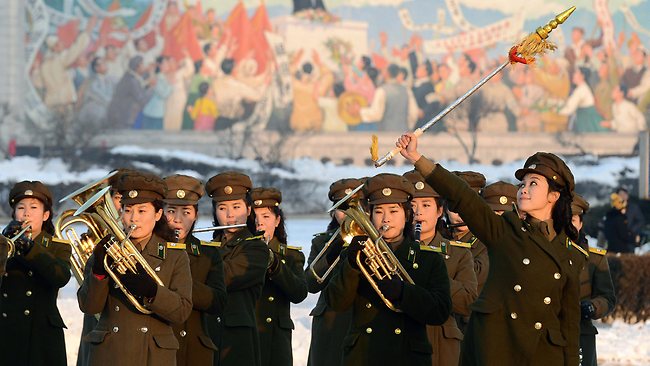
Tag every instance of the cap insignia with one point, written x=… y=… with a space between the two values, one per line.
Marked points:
x=133 y=193
x=532 y=166
x=555 y=177
x=258 y=202
x=386 y=191
x=227 y=189
x=347 y=191
x=503 y=200
x=29 y=192
x=419 y=186
x=180 y=194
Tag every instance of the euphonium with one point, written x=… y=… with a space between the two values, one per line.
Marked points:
x=376 y=260
x=66 y=225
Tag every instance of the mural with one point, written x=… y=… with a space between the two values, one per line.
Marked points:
x=333 y=65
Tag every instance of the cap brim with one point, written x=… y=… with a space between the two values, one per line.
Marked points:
x=36 y=195
x=178 y=201
x=521 y=173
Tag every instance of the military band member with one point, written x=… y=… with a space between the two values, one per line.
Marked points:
x=528 y=311
x=597 y=296
x=500 y=196
x=377 y=334
x=4 y=253
x=329 y=327
x=460 y=231
x=124 y=335
x=245 y=260
x=32 y=328
x=208 y=289
x=427 y=208
x=285 y=280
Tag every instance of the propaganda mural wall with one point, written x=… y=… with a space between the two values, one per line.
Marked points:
x=323 y=66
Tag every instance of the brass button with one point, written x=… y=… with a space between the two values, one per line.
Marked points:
x=117 y=308
x=398 y=331
x=30 y=273
x=570 y=262
x=557 y=276
x=368 y=305
x=144 y=329
x=538 y=325
x=271 y=298
x=183 y=333
x=4 y=315
x=218 y=319
x=513 y=315
x=526 y=261
x=268 y=320
x=283 y=261
x=4 y=295
x=523 y=229
x=28 y=293
x=26 y=312
x=415 y=266
x=517 y=288
x=368 y=330
x=547 y=300
x=116 y=329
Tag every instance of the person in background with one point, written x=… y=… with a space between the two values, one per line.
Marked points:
x=626 y=117
x=204 y=111
x=597 y=296
x=616 y=227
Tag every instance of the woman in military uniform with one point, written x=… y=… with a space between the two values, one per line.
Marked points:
x=208 y=289
x=328 y=327
x=124 y=335
x=245 y=261
x=377 y=334
x=285 y=280
x=427 y=208
x=528 y=312
x=597 y=296
x=32 y=328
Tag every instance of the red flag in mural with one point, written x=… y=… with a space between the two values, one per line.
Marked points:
x=181 y=39
x=238 y=27
x=67 y=33
x=150 y=37
x=110 y=27
x=260 y=23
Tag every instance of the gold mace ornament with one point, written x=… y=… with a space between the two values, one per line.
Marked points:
x=559 y=19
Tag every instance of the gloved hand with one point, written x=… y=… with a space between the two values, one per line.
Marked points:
x=4 y=252
x=99 y=252
x=274 y=262
x=23 y=243
x=355 y=246
x=334 y=250
x=12 y=229
x=587 y=309
x=140 y=284
x=392 y=289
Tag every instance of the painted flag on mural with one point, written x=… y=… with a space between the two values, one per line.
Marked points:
x=182 y=40
x=261 y=24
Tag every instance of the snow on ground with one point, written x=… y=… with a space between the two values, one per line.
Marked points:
x=618 y=343
x=54 y=171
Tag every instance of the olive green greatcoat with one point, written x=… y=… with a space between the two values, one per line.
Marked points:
x=208 y=297
x=595 y=285
x=481 y=260
x=284 y=286
x=445 y=339
x=245 y=259
x=528 y=312
x=328 y=327
x=380 y=336
x=31 y=328
x=125 y=336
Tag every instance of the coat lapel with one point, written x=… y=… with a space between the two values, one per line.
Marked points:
x=553 y=248
x=152 y=251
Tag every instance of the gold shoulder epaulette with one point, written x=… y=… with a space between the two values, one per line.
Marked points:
x=256 y=237
x=62 y=241
x=172 y=245
x=598 y=251
x=294 y=248
x=427 y=248
x=461 y=244
x=216 y=244
x=570 y=243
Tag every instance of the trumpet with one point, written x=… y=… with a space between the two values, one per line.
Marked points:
x=12 y=241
